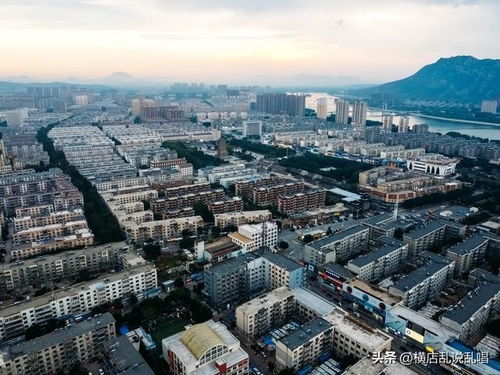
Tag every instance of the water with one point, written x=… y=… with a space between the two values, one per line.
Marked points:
x=435 y=125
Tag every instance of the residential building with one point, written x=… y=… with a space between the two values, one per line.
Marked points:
x=258 y=316
x=252 y=128
x=121 y=358
x=366 y=366
x=355 y=338
x=280 y=270
x=424 y=283
x=50 y=353
x=207 y=348
x=359 y=110
x=474 y=310
x=342 y=112
x=78 y=299
x=385 y=260
x=322 y=108
x=300 y=202
x=426 y=237
x=337 y=247
x=242 y=217
x=468 y=254
x=159 y=205
x=304 y=346
x=381 y=225
x=234 y=204
x=387 y=121
x=65 y=265
x=268 y=195
x=166 y=229
x=332 y=276
x=404 y=124
x=251 y=237
x=289 y=104
x=489 y=106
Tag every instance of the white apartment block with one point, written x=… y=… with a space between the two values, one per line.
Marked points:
x=59 y=217
x=137 y=196
x=251 y=237
x=121 y=183
x=258 y=316
x=468 y=254
x=241 y=217
x=77 y=299
x=402 y=154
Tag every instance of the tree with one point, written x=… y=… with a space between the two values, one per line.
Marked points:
x=398 y=233
x=202 y=210
x=186 y=243
x=152 y=251
x=287 y=371
x=283 y=245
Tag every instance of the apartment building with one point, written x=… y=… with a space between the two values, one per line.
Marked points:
x=305 y=345
x=337 y=247
x=233 y=204
x=424 y=283
x=48 y=232
x=79 y=238
x=258 y=316
x=181 y=212
x=268 y=195
x=381 y=225
x=474 y=310
x=58 y=350
x=300 y=202
x=207 y=348
x=77 y=299
x=160 y=205
x=280 y=270
x=468 y=254
x=242 y=217
x=238 y=279
x=136 y=196
x=385 y=260
x=58 y=217
x=122 y=358
x=244 y=188
x=355 y=338
x=426 y=237
x=167 y=229
x=409 y=153
x=65 y=265
x=120 y=183
x=366 y=366
x=251 y=237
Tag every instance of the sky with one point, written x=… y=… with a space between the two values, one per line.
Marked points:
x=241 y=40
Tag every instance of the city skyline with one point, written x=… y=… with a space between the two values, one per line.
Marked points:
x=357 y=42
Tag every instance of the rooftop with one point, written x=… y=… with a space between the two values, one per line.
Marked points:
x=267 y=300
x=426 y=229
x=378 y=253
x=59 y=336
x=379 y=219
x=230 y=265
x=282 y=261
x=366 y=366
x=468 y=245
x=325 y=241
x=313 y=301
x=125 y=358
x=308 y=331
x=432 y=264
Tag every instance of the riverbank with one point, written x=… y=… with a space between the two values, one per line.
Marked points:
x=454 y=119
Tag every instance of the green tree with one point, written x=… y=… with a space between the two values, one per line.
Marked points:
x=151 y=251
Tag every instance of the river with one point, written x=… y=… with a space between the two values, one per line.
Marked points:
x=436 y=125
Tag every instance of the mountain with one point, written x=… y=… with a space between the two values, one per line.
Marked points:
x=464 y=79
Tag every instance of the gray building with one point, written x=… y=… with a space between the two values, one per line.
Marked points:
x=337 y=247
x=121 y=358
x=468 y=254
x=425 y=282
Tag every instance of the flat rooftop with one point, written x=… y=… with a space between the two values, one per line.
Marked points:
x=305 y=333
x=426 y=229
x=266 y=301
x=313 y=301
x=125 y=358
x=374 y=291
x=319 y=244
x=282 y=261
x=378 y=253
x=468 y=245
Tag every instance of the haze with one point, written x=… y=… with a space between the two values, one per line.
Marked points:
x=240 y=41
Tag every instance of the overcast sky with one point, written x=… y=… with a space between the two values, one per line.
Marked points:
x=235 y=40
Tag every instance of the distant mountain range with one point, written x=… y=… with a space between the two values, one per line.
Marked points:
x=462 y=79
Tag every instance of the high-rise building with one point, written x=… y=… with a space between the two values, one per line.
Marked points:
x=372 y=134
x=81 y=100
x=322 y=108
x=489 y=106
x=359 y=114
x=404 y=124
x=342 y=112
x=290 y=104
x=16 y=117
x=251 y=128
x=387 y=121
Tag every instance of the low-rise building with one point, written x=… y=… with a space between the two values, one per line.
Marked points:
x=167 y=229
x=337 y=247
x=234 y=204
x=366 y=366
x=48 y=354
x=300 y=202
x=251 y=237
x=425 y=237
x=206 y=348
x=434 y=164
x=424 y=283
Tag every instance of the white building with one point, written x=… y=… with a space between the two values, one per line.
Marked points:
x=435 y=164
x=251 y=237
x=359 y=114
x=322 y=108
x=81 y=100
x=16 y=117
x=489 y=106
x=205 y=349
x=252 y=128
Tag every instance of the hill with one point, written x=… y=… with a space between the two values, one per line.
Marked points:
x=462 y=79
